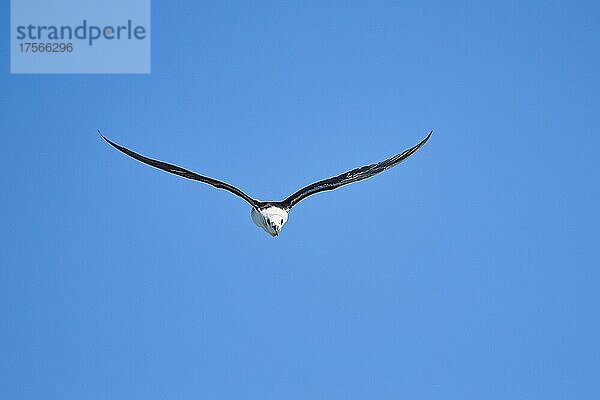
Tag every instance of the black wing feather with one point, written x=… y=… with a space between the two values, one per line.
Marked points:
x=174 y=169
x=355 y=175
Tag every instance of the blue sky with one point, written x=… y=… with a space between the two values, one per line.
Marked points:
x=468 y=272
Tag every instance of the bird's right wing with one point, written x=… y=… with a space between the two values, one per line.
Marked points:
x=357 y=174
x=174 y=169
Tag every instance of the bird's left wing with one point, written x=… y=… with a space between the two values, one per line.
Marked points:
x=174 y=169
x=357 y=174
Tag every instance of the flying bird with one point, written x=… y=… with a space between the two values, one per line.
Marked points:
x=272 y=215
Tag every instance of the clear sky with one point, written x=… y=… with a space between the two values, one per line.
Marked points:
x=468 y=272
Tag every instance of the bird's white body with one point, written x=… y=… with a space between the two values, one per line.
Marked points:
x=271 y=219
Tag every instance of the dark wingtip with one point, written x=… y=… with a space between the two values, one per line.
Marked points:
x=425 y=140
x=107 y=140
x=100 y=133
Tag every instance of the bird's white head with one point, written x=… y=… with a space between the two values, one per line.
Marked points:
x=271 y=219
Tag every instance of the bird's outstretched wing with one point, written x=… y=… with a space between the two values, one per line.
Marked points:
x=183 y=172
x=355 y=175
